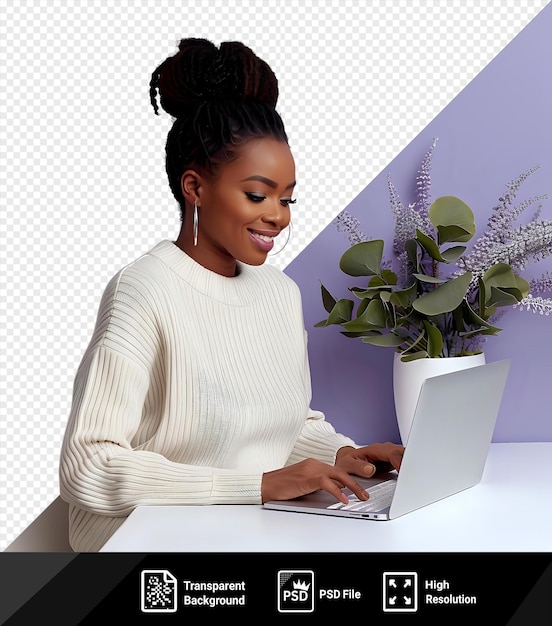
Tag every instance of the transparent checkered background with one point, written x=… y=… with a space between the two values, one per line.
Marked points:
x=83 y=183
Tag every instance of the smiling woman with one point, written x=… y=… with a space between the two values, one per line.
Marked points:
x=195 y=387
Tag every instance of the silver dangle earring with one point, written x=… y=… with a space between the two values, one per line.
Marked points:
x=286 y=242
x=196 y=222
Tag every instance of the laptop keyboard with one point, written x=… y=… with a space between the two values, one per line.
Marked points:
x=380 y=498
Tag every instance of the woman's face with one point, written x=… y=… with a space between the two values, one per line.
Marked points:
x=245 y=206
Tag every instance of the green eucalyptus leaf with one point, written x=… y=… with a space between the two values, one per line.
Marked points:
x=458 y=317
x=391 y=316
x=377 y=281
x=502 y=297
x=452 y=233
x=411 y=247
x=389 y=276
x=385 y=340
x=403 y=297
x=501 y=286
x=434 y=339
x=482 y=297
x=375 y=314
x=473 y=318
x=327 y=299
x=414 y=356
x=452 y=254
x=429 y=246
x=386 y=281
x=420 y=340
x=371 y=292
x=424 y=278
x=482 y=330
x=363 y=259
x=444 y=298
x=453 y=219
x=373 y=318
x=523 y=286
x=362 y=306
x=443 y=256
x=500 y=275
x=341 y=313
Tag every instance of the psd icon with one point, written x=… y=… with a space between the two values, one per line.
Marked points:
x=295 y=591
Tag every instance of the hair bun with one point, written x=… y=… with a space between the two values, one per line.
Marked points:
x=200 y=72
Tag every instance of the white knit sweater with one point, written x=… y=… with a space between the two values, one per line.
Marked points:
x=193 y=385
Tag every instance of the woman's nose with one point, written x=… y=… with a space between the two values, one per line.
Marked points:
x=278 y=215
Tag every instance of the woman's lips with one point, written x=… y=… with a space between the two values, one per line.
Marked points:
x=263 y=238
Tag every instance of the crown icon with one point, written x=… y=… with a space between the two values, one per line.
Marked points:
x=301 y=585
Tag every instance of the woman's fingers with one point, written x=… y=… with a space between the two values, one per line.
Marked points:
x=382 y=457
x=308 y=476
x=335 y=487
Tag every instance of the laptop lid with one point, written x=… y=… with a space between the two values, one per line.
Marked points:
x=450 y=435
x=447 y=447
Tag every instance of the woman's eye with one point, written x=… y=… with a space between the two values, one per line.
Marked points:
x=257 y=197
x=254 y=197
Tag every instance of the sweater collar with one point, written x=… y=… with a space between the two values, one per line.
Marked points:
x=235 y=290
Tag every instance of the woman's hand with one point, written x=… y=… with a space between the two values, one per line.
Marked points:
x=308 y=476
x=369 y=460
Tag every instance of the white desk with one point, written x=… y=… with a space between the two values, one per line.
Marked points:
x=510 y=510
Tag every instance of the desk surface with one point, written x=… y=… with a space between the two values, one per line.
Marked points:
x=510 y=510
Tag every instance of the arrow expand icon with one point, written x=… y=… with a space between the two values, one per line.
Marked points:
x=400 y=591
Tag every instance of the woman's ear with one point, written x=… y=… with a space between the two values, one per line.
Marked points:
x=190 y=184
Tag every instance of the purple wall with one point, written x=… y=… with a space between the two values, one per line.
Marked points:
x=499 y=126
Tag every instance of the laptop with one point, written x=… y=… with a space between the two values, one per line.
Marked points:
x=447 y=448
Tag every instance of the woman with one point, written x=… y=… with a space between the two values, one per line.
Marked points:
x=195 y=387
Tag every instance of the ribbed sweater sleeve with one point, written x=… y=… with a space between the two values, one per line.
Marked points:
x=102 y=473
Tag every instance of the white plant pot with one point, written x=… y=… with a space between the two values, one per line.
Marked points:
x=409 y=376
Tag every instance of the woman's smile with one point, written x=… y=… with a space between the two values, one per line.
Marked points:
x=264 y=239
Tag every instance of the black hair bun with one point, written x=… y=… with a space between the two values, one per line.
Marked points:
x=202 y=73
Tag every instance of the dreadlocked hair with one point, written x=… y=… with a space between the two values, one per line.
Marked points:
x=219 y=99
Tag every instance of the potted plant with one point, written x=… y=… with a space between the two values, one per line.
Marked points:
x=435 y=298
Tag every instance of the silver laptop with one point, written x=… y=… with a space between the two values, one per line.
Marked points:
x=446 y=452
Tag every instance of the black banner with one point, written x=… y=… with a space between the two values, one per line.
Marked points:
x=69 y=589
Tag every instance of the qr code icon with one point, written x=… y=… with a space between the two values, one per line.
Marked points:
x=158 y=591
